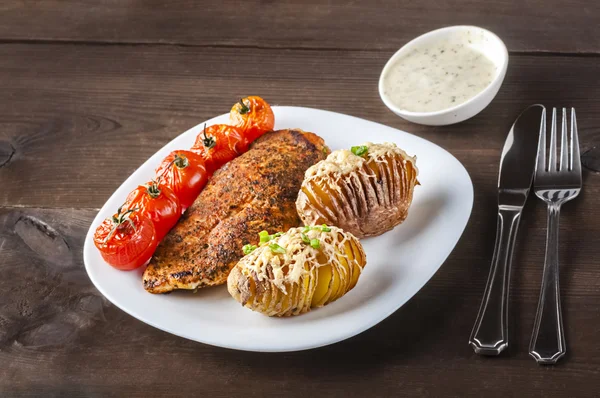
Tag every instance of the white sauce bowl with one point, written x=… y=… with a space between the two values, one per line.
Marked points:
x=479 y=39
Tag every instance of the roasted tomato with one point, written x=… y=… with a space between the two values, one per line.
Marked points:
x=157 y=202
x=127 y=240
x=185 y=173
x=218 y=144
x=254 y=116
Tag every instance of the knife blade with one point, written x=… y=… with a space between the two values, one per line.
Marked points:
x=517 y=168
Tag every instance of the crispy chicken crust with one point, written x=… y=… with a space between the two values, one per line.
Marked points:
x=254 y=192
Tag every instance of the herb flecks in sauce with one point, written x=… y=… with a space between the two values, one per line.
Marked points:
x=438 y=76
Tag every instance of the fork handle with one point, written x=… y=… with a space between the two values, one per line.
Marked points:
x=548 y=340
x=490 y=333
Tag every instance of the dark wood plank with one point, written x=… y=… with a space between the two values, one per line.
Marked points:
x=76 y=121
x=60 y=337
x=528 y=25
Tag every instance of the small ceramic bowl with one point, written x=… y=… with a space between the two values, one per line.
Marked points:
x=480 y=39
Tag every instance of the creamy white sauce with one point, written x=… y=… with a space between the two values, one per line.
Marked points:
x=439 y=76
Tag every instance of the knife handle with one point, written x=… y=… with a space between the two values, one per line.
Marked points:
x=490 y=333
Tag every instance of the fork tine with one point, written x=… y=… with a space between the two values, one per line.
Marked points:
x=541 y=155
x=575 y=157
x=564 y=150
x=552 y=152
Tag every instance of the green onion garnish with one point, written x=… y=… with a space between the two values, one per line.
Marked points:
x=264 y=236
x=359 y=150
x=248 y=248
x=275 y=248
x=305 y=238
x=315 y=243
x=322 y=228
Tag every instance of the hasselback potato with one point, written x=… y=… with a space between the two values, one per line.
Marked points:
x=304 y=268
x=365 y=191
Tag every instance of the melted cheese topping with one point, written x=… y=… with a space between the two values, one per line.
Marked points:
x=299 y=258
x=343 y=162
x=378 y=151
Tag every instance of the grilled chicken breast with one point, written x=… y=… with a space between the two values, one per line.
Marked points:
x=254 y=192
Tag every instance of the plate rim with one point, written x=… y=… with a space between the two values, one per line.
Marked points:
x=299 y=347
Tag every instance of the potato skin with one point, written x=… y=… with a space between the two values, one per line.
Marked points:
x=285 y=284
x=364 y=195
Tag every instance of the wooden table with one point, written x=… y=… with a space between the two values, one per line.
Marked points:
x=90 y=89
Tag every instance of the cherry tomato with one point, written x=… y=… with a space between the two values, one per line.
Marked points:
x=157 y=202
x=254 y=116
x=127 y=240
x=218 y=144
x=185 y=173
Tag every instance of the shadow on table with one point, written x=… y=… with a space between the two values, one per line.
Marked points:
x=430 y=325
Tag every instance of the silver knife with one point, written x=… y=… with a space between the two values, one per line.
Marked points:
x=517 y=167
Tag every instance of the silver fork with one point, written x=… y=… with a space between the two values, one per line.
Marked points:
x=555 y=186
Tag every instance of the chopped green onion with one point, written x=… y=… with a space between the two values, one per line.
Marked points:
x=248 y=248
x=264 y=236
x=322 y=228
x=275 y=248
x=305 y=238
x=315 y=243
x=359 y=150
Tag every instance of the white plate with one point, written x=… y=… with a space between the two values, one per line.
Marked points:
x=399 y=262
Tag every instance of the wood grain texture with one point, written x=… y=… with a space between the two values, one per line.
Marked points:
x=527 y=25
x=60 y=337
x=90 y=89
x=80 y=119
